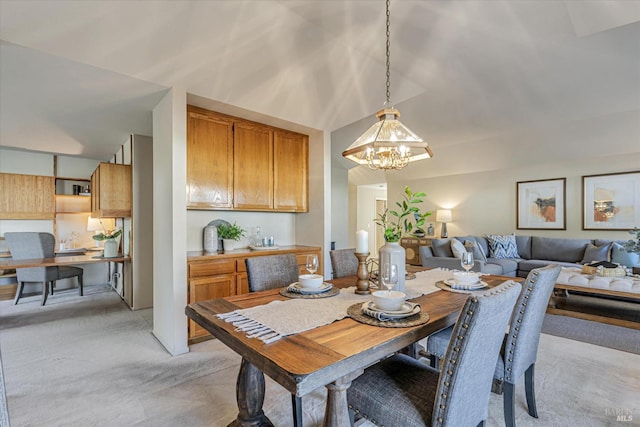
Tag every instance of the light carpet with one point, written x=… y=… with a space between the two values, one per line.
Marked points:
x=90 y=361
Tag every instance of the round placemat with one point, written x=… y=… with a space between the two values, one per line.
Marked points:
x=440 y=284
x=330 y=293
x=355 y=312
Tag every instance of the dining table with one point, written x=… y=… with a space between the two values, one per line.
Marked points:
x=331 y=355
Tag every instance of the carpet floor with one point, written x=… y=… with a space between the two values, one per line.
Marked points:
x=90 y=361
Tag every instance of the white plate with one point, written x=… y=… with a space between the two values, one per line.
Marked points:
x=407 y=307
x=264 y=248
x=307 y=291
x=479 y=285
x=392 y=315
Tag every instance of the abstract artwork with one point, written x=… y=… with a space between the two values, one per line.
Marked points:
x=611 y=201
x=541 y=204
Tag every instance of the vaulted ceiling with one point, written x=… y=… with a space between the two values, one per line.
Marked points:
x=78 y=77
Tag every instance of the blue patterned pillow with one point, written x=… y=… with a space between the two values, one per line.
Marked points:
x=502 y=246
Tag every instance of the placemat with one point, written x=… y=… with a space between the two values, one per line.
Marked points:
x=440 y=284
x=355 y=312
x=330 y=293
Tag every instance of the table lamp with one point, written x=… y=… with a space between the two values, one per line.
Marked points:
x=444 y=216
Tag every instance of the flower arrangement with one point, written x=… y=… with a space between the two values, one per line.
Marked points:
x=111 y=234
x=231 y=232
x=393 y=228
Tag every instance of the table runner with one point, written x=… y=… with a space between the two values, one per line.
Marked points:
x=270 y=322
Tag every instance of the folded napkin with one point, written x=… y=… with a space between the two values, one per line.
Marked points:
x=463 y=287
x=297 y=290
x=384 y=316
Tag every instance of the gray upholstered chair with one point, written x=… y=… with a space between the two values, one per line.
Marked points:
x=520 y=350
x=28 y=245
x=402 y=391
x=343 y=262
x=270 y=272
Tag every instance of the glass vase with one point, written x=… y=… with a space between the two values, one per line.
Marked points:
x=397 y=256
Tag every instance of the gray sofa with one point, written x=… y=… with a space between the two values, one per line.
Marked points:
x=533 y=252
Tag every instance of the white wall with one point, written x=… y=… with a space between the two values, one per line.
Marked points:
x=340 y=208
x=366 y=215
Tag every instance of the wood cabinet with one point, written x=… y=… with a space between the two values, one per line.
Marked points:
x=209 y=160
x=26 y=196
x=216 y=276
x=111 y=192
x=236 y=164
x=67 y=201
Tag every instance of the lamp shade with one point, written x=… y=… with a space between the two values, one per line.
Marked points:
x=444 y=215
x=94 y=224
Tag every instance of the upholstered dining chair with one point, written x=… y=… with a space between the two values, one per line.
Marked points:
x=519 y=352
x=402 y=391
x=28 y=245
x=270 y=272
x=343 y=262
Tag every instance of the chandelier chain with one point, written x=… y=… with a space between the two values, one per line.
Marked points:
x=388 y=58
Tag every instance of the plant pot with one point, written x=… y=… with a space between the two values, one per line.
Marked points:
x=229 y=244
x=396 y=254
x=110 y=248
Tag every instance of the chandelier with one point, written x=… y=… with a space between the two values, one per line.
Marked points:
x=388 y=144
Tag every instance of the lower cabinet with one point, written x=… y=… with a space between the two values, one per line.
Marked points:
x=210 y=278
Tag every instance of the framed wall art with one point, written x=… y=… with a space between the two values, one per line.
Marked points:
x=611 y=201
x=541 y=204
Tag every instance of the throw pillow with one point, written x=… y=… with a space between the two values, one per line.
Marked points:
x=457 y=248
x=441 y=248
x=502 y=246
x=595 y=253
x=476 y=249
x=619 y=255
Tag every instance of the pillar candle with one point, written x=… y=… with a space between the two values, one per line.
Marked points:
x=362 y=242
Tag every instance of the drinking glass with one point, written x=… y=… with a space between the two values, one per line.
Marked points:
x=389 y=276
x=467 y=261
x=312 y=264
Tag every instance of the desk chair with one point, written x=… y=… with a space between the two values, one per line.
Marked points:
x=343 y=262
x=402 y=391
x=29 y=245
x=271 y=272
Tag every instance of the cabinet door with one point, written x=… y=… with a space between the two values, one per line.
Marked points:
x=205 y=288
x=290 y=171
x=209 y=160
x=26 y=196
x=252 y=166
x=111 y=191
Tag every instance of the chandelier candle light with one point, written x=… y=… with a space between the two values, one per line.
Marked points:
x=388 y=144
x=362 y=252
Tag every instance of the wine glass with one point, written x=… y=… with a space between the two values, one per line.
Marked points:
x=467 y=261
x=389 y=276
x=312 y=264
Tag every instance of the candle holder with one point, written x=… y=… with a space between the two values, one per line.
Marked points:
x=362 y=284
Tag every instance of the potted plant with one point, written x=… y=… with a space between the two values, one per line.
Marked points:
x=110 y=242
x=394 y=223
x=230 y=234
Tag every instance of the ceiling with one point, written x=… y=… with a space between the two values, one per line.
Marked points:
x=77 y=77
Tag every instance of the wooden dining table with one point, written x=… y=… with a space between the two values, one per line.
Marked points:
x=331 y=355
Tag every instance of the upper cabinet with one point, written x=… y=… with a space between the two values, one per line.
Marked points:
x=26 y=196
x=72 y=195
x=236 y=164
x=111 y=191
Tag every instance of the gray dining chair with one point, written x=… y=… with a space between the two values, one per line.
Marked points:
x=403 y=391
x=519 y=352
x=343 y=262
x=271 y=272
x=29 y=245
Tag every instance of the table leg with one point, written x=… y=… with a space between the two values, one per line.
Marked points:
x=250 y=397
x=336 y=413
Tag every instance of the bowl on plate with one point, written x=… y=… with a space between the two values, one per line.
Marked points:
x=310 y=281
x=389 y=300
x=465 y=278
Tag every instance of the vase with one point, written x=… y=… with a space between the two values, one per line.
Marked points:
x=110 y=248
x=397 y=256
x=228 y=244
x=210 y=238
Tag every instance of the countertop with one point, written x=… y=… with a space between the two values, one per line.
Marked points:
x=202 y=255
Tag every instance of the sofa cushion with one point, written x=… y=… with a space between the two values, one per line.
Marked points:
x=502 y=246
x=524 y=246
x=457 y=248
x=619 y=255
x=473 y=247
x=594 y=253
x=526 y=265
x=441 y=247
x=509 y=265
x=557 y=249
x=496 y=269
x=481 y=241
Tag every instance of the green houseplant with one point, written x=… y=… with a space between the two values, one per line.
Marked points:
x=110 y=242
x=398 y=221
x=230 y=234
